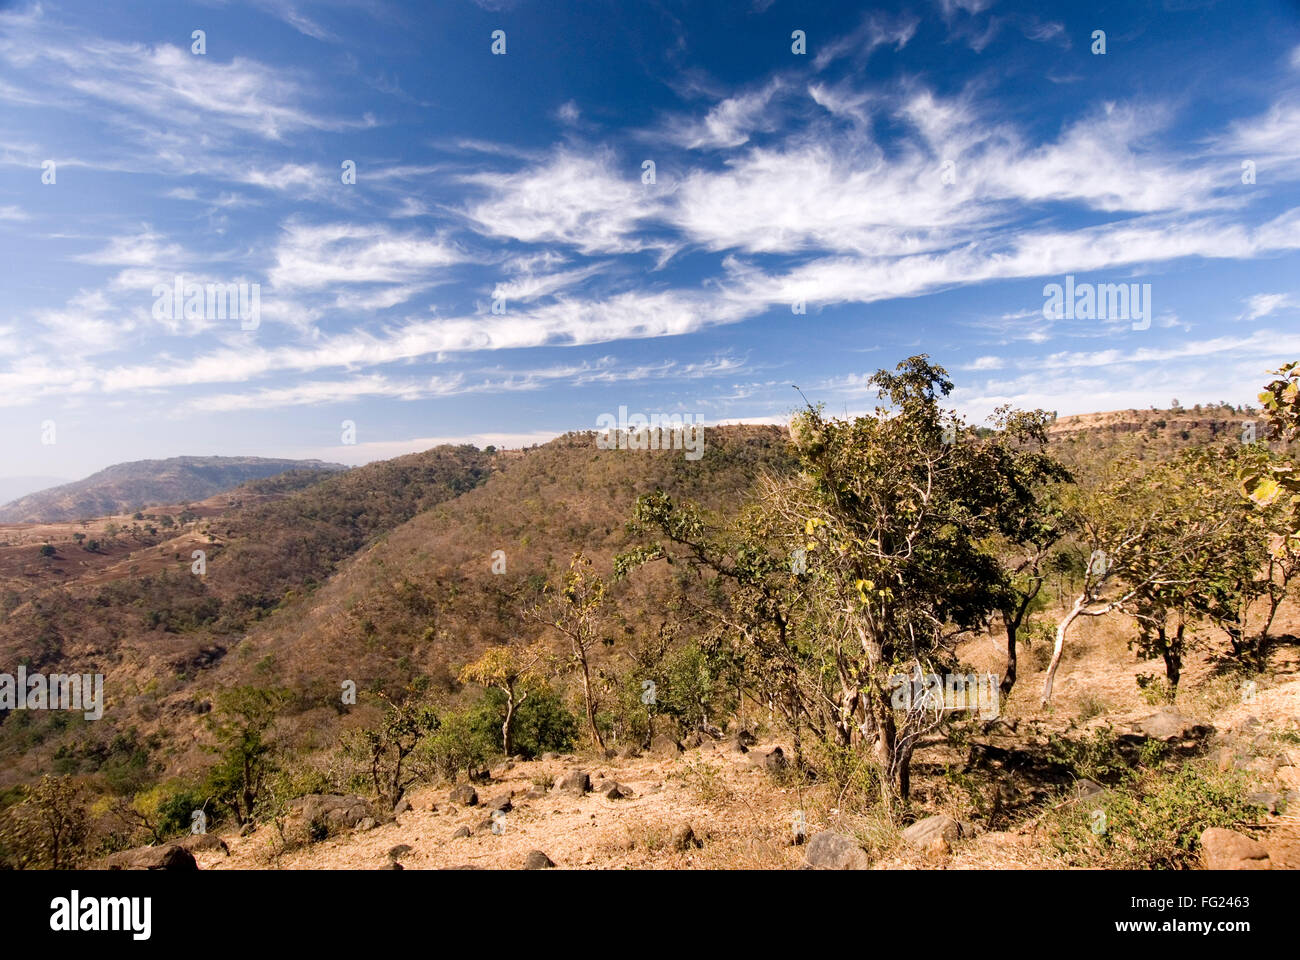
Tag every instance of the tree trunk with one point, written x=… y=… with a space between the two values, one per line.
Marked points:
x=591 y=705
x=507 y=728
x=1009 y=677
x=1061 y=628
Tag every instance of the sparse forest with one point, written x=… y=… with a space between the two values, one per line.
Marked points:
x=819 y=606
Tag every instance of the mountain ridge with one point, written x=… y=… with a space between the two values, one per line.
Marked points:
x=134 y=484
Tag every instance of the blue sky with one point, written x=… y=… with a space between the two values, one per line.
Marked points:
x=914 y=179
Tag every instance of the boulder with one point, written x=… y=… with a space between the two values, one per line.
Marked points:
x=167 y=856
x=501 y=803
x=575 y=783
x=536 y=860
x=399 y=851
x=1229 y=850
x=628 y=751
x=835 y=851
x=1085 y=789
x=924 y=832
x=612 y=790
x=202 y=842
x=683 y=837
x=461 y=833
x=501 y=769
x=1168 y=724
x=401 y=806
x=465 y=795
x=665 y=746
x=775 y=762
x=320 y=815
x=736 y=744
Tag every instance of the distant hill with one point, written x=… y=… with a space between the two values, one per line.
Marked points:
x=125 y=487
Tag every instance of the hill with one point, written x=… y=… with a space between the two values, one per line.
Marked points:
x=127 y=487
x=395 y=575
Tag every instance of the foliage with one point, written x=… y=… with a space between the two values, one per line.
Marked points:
x=48 y=829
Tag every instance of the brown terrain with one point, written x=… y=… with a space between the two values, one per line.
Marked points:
x=398 y=582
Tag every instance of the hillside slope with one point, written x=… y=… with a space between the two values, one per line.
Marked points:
x=125 y=487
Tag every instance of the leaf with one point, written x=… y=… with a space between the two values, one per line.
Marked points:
x=1262 y=490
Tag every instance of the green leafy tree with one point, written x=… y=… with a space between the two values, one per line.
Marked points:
x=241 y=724
x=386 y=748
x=1167 y=544
x=574 y=612
x=508 y=670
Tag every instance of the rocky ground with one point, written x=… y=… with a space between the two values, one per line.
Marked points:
x=724 y=805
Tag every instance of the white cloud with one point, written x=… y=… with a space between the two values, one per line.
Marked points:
x=1265 y=304
x=580 y=199
x=315 y=257
x=729 y=123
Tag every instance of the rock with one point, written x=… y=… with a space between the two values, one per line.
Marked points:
x=683 y=837
x=548 y=756
x=465 y=795
x=484 y=825
x=1229 y=850
x=461 y=833
x=536 y=793
x=399 y=851
x=394 y=865
x=665 y=746
x=480 y=774
x=611 y=753
x=401 y=806
x=775 y=762
x=710 y=731
x=575 y=783
x=693 y=740
x=501 y=803
x=613 y=790
x=628 y=751
x=320 y=815
x=1269 y=801
x=367 y=824
x=501 y=769
x=248 y=829
x=939 y=849
x=736 y=745
x=1085 y=788
x=536 y=860
x=1168 y=724
x=923 y=833
x=835 y=851
x=168 y=856
x=202 y=842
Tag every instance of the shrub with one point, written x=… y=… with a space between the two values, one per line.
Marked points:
x=1156 y=821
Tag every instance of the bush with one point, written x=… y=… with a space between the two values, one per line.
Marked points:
x=465 y=740
x=1156 y=821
